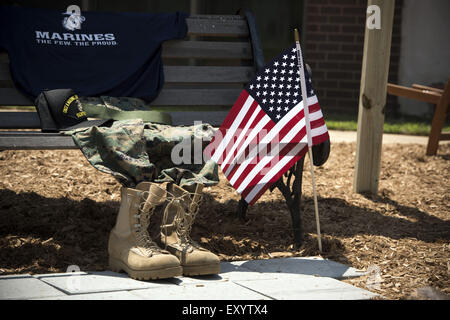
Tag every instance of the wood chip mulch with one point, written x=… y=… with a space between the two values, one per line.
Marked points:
x=56 y=210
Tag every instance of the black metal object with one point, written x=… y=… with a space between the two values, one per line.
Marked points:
x=258 y=55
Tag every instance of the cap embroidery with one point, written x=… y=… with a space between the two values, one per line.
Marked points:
x=68 y=102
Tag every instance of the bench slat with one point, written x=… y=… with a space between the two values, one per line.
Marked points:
x=214 y=118
x=19 y=120
x=197 y=97
x=34 y=141
x=207 y=50
x=184 y=74
x=220 y=26
x=189 y=49
x=206 y=74
x=13 y=97
x=30 y=120
x=184 y=49
x=402 y=91
x=167 y=97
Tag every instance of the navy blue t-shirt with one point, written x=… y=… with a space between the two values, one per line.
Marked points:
x=94 y=53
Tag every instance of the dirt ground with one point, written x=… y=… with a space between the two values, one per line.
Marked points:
x=56 y=210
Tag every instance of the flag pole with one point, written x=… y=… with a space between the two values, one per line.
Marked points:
x=308 y=131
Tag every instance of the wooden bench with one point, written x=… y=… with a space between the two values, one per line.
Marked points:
x=206 y=75
x=226 y=53
x=440 y=98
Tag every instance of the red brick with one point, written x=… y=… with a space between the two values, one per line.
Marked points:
x=330 y=28
x=339 y=75
x=342 y=19
x=352 y=47
x=359 y=29
x=350 y=66
x=340 y=93
x=319 y=2
x=340 y=56
x=316 y=55
x=316 y=37
x=348 y=104
x=355 y=11
x=327 y=46
x=330 y=10
x=327 y=103
x=352 y=85
x=361 y=20
x=357 y=76
x=313 y=9
x=326 y=84
x=317 y=19
x=360 y=38
x=312 y=64
x=341 y=38
x=351 y=2
x=312 y=28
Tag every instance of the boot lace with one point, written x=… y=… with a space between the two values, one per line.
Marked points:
x=184 y=219
x=145 y=211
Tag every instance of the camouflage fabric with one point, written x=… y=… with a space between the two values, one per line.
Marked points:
x=123 y=108
x=120 y=104
x=134 y=151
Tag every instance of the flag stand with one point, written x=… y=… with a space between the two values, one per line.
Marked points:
x=308 y=132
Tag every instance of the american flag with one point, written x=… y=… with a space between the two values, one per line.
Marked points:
x=264 y=133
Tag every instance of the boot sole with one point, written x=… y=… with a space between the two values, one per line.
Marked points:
x=201 y=270
x=118 y=266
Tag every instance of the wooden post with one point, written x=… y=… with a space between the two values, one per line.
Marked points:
x=438 y=122
x=372 y=99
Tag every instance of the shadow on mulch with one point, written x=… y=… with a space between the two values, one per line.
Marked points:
x=41 y=235
x=424 y=227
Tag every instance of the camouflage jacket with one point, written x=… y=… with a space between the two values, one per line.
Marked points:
x=134 y=151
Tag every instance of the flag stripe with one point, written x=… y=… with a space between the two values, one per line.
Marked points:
x=234 y=110
x=246 y=167
x=231 y=116
x=272 y=175
x=250 y=167
x=252 y=113
x=321 y=138
x=264 y=175
x=250 y=171
x=255 y=113
x=258 y=131
x=232 y=129
x=291 y=162
x=227 y=168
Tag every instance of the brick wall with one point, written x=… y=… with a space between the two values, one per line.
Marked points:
x=334 y=50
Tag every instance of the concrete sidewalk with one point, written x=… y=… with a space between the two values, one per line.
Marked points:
x=310 y=278
x=350 y=136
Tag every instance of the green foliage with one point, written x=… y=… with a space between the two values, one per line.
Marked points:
x=404 y=125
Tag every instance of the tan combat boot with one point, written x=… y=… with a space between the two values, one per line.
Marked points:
x=130 y=247
x=177 y=221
